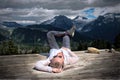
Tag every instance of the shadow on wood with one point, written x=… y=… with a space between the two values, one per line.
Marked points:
x=90 y=66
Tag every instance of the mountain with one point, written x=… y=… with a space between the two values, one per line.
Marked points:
x=64 y=23
x=33 y=33
x=45 y=28
x=27 y=35
x=11 y=24
x=80 y=18
x=105 y=27
x=59 y=22
x=80 y=22
x=4 y=33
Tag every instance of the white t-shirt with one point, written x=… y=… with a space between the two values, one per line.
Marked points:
x=69 y=58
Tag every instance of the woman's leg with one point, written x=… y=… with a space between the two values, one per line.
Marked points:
x=51 y=38
x=66 y=41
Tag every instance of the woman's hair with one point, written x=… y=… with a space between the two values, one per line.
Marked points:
x=56 y=65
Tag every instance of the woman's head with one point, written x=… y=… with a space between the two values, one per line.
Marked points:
x=57 y=61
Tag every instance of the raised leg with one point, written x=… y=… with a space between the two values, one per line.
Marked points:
x=66 y=41
x=51 y=38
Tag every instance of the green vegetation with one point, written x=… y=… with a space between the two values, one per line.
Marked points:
x=100 y=44
x=9 y=47
x=117 y=42
x=40 y=45
x=4 y=34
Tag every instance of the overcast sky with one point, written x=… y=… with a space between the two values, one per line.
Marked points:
x=36 y=11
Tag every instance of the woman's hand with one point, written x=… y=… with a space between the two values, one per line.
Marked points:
x=56 y=70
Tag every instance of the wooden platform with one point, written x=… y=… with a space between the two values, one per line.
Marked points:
x=90 y=67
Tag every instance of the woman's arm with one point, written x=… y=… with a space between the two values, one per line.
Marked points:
x=43 y=66
x=73 y=57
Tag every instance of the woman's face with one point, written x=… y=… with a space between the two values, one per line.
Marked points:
x=58 y=58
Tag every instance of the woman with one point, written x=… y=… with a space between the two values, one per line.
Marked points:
x=59 y=57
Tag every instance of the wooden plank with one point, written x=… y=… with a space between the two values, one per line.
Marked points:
x=90 y=66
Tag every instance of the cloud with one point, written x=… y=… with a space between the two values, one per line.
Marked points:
x=33 y=14
x=57 y=4
x=89 y=1
x=26 y=22
x=93 y=12
x=114 y=9
x=104 y=10
x=36 y=11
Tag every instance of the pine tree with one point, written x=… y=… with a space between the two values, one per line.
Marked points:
x=8 y=47
x=117 y=41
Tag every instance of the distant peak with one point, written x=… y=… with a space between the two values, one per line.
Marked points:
x=8 y=22
x=11 y=24
x=80 y=17
x=60 y=16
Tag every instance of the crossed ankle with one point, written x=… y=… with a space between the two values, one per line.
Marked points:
x=66 y=33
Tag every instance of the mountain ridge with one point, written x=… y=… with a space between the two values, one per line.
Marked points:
x=11 y=24
x=105 y=27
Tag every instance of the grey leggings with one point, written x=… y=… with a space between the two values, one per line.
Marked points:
x=52 y=41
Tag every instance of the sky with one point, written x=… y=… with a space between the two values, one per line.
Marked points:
x=37 y=11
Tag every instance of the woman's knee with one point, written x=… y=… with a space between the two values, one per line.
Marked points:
x=49 y=33
x=66 y=37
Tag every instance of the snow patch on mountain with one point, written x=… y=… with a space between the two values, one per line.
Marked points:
x=49 y=21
